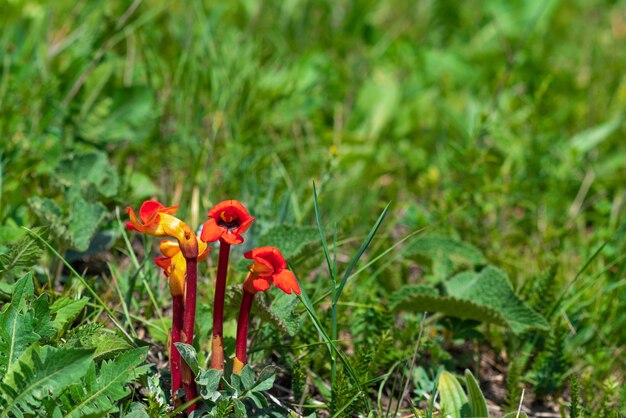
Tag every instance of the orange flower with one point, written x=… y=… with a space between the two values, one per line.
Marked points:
x=269 y=266
x=174 y=264
x=227 y=221
x=156 y=219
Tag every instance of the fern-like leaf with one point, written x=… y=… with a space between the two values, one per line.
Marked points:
x=101 y=390
x=40 y=373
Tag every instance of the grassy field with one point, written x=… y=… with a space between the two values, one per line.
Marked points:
x=495 y=131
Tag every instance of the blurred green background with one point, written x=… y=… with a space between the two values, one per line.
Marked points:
x=500 y=123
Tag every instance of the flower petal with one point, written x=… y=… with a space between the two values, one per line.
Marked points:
x=169 y=248
x=210 y=231
x=286 y=281
x=245 y=225
x=163 y=262
x=149 y=209
x=260 y=284
x=231 y=238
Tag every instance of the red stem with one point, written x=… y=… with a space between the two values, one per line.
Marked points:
x=217 y=354
x=177 y=324
x=191 y=392
x=242 y=326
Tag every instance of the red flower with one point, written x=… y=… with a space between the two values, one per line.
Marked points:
x=269 y=266
x=174 y=264
x=156 y=219
x=227 y=221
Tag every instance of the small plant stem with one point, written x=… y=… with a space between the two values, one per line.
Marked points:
x=217 y=351
x=334 y=335
x=177 y=325
x=189 y=319
x=241 y=346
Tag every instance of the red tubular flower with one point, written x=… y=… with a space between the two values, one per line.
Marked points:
x=227 y=221
x=268 y=267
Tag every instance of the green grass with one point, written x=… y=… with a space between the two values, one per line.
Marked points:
x=497 y=124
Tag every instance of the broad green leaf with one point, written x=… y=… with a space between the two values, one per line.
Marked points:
x=84 y=219
x=100 y=392
x=188 y=353
x=240 y=409
x=491 y=288
x=86 y=170
x=291 y=239
x=66 y=310
x=208 y=383
x=44 y=374
x=453 y=401
x=247 y=377
x=265 y=381
x=477 y=401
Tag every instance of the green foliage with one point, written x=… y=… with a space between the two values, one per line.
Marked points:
x=21 y=255
x=486 y=296
x=575 y=397
x=102 y=387
x=453 y=400
x=41 y=374
x=476 y=399
x=293 y=239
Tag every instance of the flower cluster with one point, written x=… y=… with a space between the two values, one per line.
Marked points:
x=226 y=223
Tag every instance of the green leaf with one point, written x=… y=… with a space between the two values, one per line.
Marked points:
x=99 y=393
x=107 y=344
x=66 y=310
x=21 y=325
x=447 y=254
x=477 y=401
x=291 y=239
x=188 y=353
x=453 y=401
x=247 y=377
x=491 y=288
x=84 y=219
x=240 y=409
x=86 y=170
x=22 y=254
x=45 y=373
x=265 y=380
x=208 y=383
x=420 y=298
x=587 y=140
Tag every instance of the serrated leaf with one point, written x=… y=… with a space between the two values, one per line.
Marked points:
x=106 y=343
x=491 y=288
x=66 y=310
x=208 y=384
x=45 y=374
x=88 y=169
x=20 y=325
x=291 y=239
x=478 y=404
x=426 y=299
x=23 y=253
x=110 y=385
x=453 y=401
x=188 y=353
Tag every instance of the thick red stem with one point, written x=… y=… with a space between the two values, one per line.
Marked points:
x=191 y=392
x=177 y=325
x=217 y=353
x=242 y=326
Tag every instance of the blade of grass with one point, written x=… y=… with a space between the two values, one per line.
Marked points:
x=318 y=218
